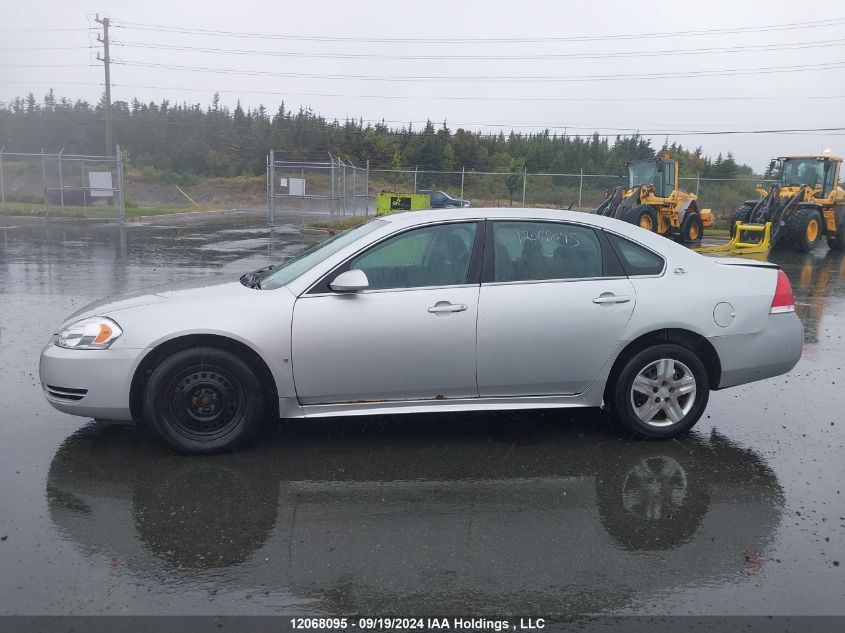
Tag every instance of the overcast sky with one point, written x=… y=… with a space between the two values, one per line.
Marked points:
x=523 y=85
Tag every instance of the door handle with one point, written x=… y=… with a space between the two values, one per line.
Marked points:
x=444 y=307
x=611 y=298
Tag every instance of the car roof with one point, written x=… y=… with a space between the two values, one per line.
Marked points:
x=631 y=231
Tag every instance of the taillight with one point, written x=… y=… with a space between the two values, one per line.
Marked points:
x=783 y=300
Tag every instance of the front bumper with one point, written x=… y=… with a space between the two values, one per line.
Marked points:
x=771 y=352
x=90 y=383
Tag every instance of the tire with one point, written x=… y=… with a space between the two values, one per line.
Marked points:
x=204 y=400
x=805 y=229
x=627 y=402
x=835 y=243
x=692 y=228
x=643 y=216
x=741 y=214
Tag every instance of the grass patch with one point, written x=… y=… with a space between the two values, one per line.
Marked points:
x=343 y=225
x=37 y=209
x=716 y=233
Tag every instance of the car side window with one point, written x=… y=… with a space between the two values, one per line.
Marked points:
x=636 y=260
x=428 y=256
x=536 y=251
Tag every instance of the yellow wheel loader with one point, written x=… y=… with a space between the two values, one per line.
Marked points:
x=805 y=205
x=653 y=201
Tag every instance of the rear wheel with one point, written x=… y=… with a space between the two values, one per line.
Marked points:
x=741 y=214
x=835 y=243
x=660 y=392
x=204 y=400
x=805 y=229
x=692 y=228
x=643 y=216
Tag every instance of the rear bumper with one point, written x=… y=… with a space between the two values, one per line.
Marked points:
x=90 y=383
x=771 y=352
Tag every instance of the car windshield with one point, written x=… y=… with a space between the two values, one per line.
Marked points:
x=803 y=171
x=286 y=272
x=643 y=172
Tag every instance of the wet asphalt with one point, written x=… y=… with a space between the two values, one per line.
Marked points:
x=539 y=514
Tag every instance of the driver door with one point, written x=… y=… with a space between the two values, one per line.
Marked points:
x=409 y=336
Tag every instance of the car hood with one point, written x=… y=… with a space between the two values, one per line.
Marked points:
x=156 y=294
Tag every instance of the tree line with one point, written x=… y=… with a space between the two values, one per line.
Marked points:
x=181 y=139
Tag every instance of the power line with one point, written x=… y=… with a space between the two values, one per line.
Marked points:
x=44 y=48
x=72 y=28
x=471 y=98
x=800 y=97
x=482 y=40
x=494 y=57
x=478 y=79
x=45 y=65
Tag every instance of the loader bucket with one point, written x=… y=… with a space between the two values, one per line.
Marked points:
x=737 y=246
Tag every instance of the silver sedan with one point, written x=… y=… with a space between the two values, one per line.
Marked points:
x=459 y=310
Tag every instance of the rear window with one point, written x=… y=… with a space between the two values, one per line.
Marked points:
x=636 y=260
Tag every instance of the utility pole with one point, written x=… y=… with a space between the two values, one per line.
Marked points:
x=106 y=59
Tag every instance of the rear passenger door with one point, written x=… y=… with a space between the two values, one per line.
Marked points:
x=554 y=303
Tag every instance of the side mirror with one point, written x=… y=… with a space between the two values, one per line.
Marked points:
x=350 y=281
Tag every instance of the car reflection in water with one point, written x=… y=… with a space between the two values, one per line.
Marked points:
x=493 y=514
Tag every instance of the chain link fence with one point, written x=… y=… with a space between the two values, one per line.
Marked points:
x=331 y=190
x=578 y=191
x=61 y=185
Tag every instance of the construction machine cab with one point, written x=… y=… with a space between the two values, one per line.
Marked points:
x=658 y=172
x=820 y=173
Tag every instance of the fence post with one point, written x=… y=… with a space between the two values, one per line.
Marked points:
x=367 y=191
x=332 y=204
x=267 y=184
x=580 y=187
x=463 y=172
x=524 y=183
x=2 y=184
x=354 y=191
x=44 y=183
x=121 y=203
x=697 y=182
x=61 y=184
x=416 y=169
x=84 y=191
x=271 y=208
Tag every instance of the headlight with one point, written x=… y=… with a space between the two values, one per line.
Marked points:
x=93 y=333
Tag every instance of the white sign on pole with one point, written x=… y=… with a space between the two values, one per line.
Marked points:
x=297 y=186
x=100 y=184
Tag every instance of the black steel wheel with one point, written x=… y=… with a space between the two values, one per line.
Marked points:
x=204 y=400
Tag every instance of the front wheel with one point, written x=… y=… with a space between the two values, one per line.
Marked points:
x=805 y=226
x=692 y=228
x=741 y=214
x=643 y=216
x=204 y=400
x=660 y=392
